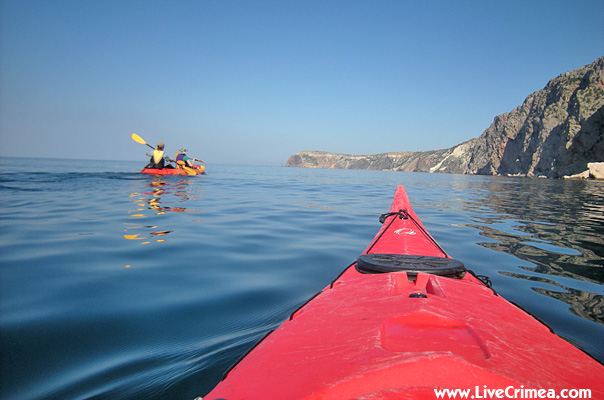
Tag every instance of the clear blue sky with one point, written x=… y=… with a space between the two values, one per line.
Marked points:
x=253 y=82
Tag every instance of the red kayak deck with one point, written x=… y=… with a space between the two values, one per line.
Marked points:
x=397 y=327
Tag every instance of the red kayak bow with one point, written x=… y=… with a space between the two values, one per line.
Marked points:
x=404 y=322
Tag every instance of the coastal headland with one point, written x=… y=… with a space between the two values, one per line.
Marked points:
x=557 y=132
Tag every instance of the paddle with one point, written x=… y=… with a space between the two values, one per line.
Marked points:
x=190 y=171
x=140 y=140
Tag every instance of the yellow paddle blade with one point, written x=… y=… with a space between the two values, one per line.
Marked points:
x=180 y=164
x=138 y=139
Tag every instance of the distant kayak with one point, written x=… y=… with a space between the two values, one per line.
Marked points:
x=196 y=170
x=406 y=321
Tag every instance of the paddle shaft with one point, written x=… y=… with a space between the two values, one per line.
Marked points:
x=193 y=159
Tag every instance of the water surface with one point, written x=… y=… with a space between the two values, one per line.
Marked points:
x=115 y=284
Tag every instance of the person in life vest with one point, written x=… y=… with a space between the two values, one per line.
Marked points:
x=158 y=159
x=182 y=156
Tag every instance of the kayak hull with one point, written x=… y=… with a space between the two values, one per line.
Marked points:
x=198 y=170
x=403 y=333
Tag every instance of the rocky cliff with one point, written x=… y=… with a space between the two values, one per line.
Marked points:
x=451 y=160
x=557 y=131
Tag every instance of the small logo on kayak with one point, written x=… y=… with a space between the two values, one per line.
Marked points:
x=405 y=231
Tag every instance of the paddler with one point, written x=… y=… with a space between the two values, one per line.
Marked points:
x=158 y=159
x=182 y=156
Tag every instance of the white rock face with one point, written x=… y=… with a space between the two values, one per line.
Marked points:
x=596 y=170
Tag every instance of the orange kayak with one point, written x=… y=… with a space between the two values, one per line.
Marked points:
x=196 y=170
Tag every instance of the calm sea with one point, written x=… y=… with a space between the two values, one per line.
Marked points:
x=119 y=285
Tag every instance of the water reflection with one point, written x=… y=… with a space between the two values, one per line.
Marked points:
x=583 y=303
x=556 y=227
x=566 y=235
x=163 y=197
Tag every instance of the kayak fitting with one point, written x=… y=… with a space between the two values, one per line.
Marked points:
x=412 y=265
